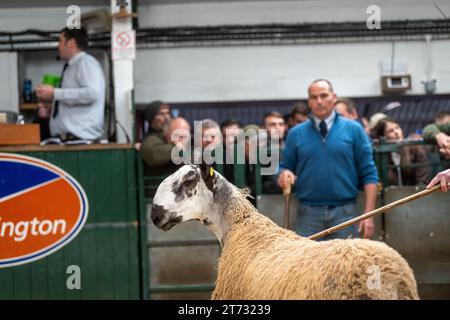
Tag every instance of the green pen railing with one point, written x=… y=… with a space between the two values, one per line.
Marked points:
x=382 y=150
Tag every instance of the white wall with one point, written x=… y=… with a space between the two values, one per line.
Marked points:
x=254 y=72
x=173 y=13
x=279 y=72
x=9 y=100
x=42 y=18
x=35 y=64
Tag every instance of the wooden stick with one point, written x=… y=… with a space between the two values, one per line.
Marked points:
x=287 y=202
x=375 y=212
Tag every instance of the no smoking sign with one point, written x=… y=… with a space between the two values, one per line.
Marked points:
x=124 y=45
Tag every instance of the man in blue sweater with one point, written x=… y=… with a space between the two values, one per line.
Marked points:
x=329 y=158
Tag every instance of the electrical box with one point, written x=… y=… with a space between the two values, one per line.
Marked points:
x=395 y=84
x=96 y=21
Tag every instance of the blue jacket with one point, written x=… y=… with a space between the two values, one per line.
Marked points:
x=329 y=171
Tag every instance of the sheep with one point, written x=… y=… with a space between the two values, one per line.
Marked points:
x=260 y=260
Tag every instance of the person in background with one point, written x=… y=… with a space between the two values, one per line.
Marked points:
x=438 y=133
x=251 y=134
x=77 y=105
x=390 y=130
x=328 y=158
x=442 y=117
x=299 y=113
x=288 y=122
x=347 y=109
x=230 y=129
x=273 y=122
x=443 y=178
x=156 y=115
x=156 y=149
x=211 y=134
x=373 y=121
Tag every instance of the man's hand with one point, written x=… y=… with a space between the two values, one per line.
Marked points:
x=285 y=178
x=367 y=227
x=443 y=142
x=43 y=110
x=137 y=146
x=45 y=92
x=445 y=152
x=443 y=178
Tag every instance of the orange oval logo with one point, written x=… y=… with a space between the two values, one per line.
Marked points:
x=42 y=208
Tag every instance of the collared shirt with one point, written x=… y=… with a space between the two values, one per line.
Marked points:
x=344 y=160
x=328 y=121
x=81 y=99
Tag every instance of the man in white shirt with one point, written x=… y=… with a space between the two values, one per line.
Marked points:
x=79 y=101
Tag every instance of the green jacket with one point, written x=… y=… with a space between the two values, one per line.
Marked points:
x=431 y=130
x=156 y=151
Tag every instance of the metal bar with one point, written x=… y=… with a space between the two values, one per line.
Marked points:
x=258 y=179
x=144 y=256
x=415 y=165
x=219 y=168
x=238 y=168
x=229 y=35
x=384 y=166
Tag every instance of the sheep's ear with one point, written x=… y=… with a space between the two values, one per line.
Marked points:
x=208 y=175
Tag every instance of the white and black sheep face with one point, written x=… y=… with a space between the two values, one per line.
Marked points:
x=185 y=195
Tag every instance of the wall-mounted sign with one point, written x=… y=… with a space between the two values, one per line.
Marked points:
x=124 y=45
x=42 y=208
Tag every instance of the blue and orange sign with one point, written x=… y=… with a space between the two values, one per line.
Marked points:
x=42 y=208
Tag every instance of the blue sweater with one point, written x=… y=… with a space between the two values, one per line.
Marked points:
x=329 y=171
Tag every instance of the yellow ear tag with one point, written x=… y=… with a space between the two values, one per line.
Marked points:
x=211 y=172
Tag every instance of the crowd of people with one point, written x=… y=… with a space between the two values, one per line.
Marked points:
x=410 y=161
x=322 y=147
x=325 y=149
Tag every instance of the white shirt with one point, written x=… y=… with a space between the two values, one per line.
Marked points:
x=328 y=121
x=81 y=99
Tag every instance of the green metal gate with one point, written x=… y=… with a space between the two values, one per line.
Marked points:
x=147 y=185
x=109 y=248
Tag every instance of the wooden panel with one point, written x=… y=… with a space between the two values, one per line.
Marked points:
x=68 y=148
x=13 y=134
